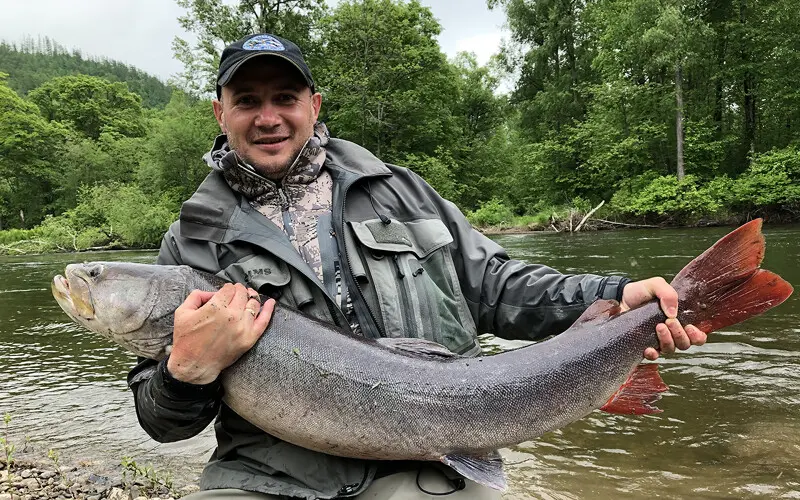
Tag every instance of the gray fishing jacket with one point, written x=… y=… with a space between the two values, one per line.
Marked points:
x=414 y=267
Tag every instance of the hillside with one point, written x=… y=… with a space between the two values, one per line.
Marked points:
x=32 y=62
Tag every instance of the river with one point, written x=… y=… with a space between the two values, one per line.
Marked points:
x=730 y=425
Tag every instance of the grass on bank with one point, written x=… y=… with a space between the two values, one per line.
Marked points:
x=106 y=217
x=770 y=188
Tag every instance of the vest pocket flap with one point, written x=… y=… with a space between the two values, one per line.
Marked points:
x=422 y=237
x=256 y=271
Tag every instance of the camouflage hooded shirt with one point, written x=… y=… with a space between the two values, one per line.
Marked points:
x=300 y=205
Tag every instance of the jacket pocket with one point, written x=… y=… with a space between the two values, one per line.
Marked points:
x=257 y=271
x=410 y=271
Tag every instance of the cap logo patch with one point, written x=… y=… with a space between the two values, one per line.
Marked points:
x=263 y=42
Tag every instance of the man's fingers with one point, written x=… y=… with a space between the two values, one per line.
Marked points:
x=224 y=296
x=651 y=354
x=665 y=339
x=696 y=336
x=239 y=299
x=253 y=295
x=667 y=296
x=679 y=336
x=196 y=299
x=252 y=308
x=262 y=320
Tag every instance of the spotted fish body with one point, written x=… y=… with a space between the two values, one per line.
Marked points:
x=405 y=399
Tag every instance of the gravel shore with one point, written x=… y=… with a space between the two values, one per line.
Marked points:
x=30 y=480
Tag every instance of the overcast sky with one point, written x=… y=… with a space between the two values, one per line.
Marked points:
x=140 y=32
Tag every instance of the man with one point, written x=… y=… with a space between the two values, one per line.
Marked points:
x=322 y=225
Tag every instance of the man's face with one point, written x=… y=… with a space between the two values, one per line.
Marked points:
x=268 y=112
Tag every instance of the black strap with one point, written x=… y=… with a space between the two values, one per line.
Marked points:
x=457 y=483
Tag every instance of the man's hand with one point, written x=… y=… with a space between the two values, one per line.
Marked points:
x=213 y=329
x=670 y=333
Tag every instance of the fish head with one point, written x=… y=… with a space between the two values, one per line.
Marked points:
x=130 y=304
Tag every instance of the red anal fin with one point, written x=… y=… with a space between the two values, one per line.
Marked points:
x=636 y=396
x=599 y=312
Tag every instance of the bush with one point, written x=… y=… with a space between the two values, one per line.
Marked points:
x=139 y=220
x=665 y=198
x=491 y=213
x=15 y=235
x=438 y=172
x=59 y=232
x=105 y=215
x=772 y=181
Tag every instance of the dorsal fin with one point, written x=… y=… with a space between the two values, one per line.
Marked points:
x=599 y=312
x=418 y=348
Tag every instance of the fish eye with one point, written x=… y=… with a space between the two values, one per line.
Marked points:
x=94 y=271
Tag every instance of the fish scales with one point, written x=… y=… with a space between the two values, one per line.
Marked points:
x=401 y=407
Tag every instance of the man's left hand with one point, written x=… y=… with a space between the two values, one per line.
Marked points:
x=671 y=334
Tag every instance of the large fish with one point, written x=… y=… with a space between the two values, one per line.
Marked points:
x=405 y=399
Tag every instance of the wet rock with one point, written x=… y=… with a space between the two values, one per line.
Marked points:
x=25 y=474
x=47 y=474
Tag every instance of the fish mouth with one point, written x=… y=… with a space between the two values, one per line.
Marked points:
x=73 y=295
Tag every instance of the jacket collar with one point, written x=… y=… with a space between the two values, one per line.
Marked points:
x=217 y=213
x=245 y=179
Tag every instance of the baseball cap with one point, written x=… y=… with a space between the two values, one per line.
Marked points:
x=262 y=44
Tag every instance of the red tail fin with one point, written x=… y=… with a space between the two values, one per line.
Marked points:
x=638 y=393
x=724 y=285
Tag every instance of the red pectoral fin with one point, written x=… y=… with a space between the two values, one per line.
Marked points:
x=636 y=396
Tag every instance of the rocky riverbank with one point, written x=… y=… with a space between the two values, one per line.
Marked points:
x=31 y=480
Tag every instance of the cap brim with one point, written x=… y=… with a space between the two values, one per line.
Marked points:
x=228 y=75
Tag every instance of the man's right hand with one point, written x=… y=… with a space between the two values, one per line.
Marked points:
x=213 y=329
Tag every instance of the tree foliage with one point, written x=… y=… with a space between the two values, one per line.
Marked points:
x=606 y=92
x=384 y=75
x=32 y=62
x=216 y=23
x=173 y=163
x=90 y=105
x=29 y=155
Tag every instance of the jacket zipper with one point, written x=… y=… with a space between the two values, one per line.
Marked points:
x=284 y=200
x=336 y=314
x=361 y=300
x=405 y=299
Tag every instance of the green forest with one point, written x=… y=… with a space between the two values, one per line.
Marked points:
x=668 y=112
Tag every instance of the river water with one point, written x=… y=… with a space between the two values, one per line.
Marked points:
x=730 y=426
